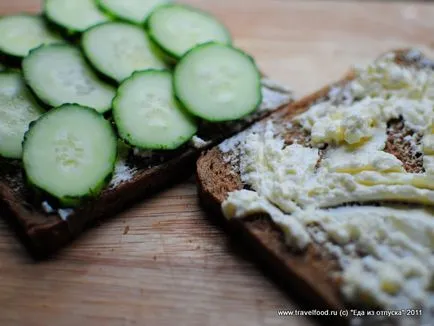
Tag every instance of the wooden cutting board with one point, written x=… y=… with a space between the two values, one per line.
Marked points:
x=162 y=262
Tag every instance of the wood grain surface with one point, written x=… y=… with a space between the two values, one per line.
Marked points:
x=162 y=262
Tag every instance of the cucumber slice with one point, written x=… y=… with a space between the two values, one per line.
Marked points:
x=70 y=153
x=18 y=109
x=74 y=15
x=218 y=83
x=178 y=28
x=59 y=74
x=118 y=49
x=147 y=114
x=21 y=33
x=135 y=11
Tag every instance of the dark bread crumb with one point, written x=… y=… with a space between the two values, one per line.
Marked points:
x=297 y=135
x=126 y=230
x=403 y=143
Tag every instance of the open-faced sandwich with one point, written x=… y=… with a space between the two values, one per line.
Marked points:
x=109 y=106
x=336 y=192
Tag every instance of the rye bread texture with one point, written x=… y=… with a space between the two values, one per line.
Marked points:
x=306 y=273
x=45 y=229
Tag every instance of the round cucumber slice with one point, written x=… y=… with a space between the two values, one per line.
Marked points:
x=147 y=114
x=135 y=11
x=70 y=153
x=21 y=33
x=118 y=49
x=58 y=74
x=18 y=109
x=74 y=15
x=218 y=83
x=178 y=28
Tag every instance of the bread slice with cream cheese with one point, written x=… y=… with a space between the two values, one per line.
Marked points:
x=335 y=194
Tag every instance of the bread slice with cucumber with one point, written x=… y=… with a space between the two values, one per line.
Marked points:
x=92 y=126
x=53 y=198
x=343 y=222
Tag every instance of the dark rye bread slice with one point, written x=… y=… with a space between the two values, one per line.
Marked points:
x=308 y=273
x=44 y=233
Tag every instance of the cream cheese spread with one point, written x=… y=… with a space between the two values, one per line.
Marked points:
x=385 y=252
x=274 y=95
x=199 y=143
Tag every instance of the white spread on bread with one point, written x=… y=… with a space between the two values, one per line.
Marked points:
x=274 y=95
x=387 y=251
x=199 y=143
x=65 y=213
x=122 y=172
x=47 y=208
